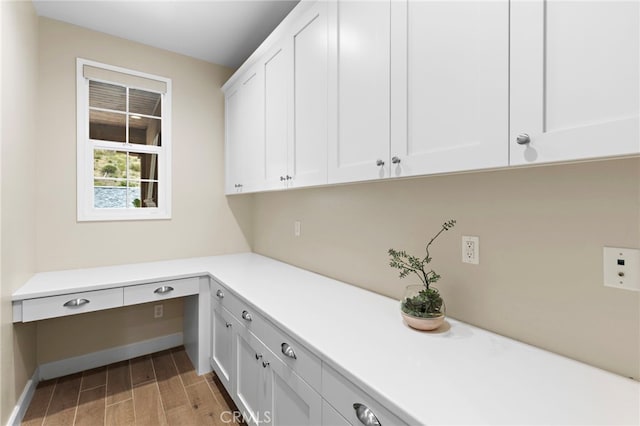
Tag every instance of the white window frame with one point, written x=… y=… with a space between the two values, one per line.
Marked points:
x=85 y=148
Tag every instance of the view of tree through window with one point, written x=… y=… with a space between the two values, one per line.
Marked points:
x=125 y=131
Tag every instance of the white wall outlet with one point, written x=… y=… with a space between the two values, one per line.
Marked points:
x=296 y=228
x=158 y=311
x=621 y=268
x=470 y=250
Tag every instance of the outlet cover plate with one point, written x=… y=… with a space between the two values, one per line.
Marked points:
x=621 y=268
x=470 y=250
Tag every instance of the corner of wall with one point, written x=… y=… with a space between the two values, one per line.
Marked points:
x=19 y=84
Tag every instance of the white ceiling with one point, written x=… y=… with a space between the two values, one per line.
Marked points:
x=223 y=32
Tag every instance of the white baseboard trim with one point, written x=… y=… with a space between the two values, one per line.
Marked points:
x=25 y=399
x=76 y=364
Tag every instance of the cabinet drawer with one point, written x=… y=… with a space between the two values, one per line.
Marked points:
x=161 y=290
x=299 y=359
x=343 y=395
x=70 y=304
x=219 y=294
x=244 y=312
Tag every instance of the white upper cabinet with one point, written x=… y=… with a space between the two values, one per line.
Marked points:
x=290 y=91
x=277 y=91
x=360 y=71
x=450 y=83
x=422 y=87
x=574 y=80
x=308 y=148
x=347 y=91
x=245 y=133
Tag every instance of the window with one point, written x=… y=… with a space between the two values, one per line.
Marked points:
x=123 y=143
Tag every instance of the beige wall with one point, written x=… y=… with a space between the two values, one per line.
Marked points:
x=203 y=222
x=18 y=88
x=110 y=328
x=541 y=236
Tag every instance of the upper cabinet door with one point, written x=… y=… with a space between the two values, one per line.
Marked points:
x=574 y=79
x=307 y=151
x=277 y=69
x=359 y=140
x=451 y=86
x=232 y=125
x=245 y=134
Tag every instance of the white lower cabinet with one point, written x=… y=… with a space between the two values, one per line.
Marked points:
x=352 y=403
x=250 y=382
x=274 y=380
x=221 y=343
x=330 y=417
x=266 y=386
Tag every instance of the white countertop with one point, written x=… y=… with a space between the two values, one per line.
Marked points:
x=463 y=375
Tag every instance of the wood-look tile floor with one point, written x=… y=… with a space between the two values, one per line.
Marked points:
x=157 y=389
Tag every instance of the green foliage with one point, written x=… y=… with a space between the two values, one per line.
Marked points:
x=428 y=301
x=426 y=304
x=109 y=170
x=137 y=202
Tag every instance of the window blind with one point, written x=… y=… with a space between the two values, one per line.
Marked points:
x=101 y=74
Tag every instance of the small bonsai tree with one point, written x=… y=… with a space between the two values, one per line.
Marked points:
x=428 y=302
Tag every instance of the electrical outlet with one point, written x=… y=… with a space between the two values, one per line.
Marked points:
x=296 y=228
x=158 y=311
x=470 y=250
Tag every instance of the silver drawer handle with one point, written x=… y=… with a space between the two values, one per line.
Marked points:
x=163 y=290
x=258 y=356
x=365 y=415
x=74 y=303
x=246 y=316
x=227 y=324
x=265 y=364
x=379 y=163
x=523 y=139
x=288 y=350
x=220 y=294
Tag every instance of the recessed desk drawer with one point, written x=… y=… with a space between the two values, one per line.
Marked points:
x=70 y=304
x=162 y=290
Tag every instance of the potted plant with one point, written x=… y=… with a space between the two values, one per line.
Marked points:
x=421 y=306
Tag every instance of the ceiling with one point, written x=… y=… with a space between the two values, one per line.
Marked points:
x=223 y=32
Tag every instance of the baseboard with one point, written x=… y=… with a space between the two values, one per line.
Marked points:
x=76 y=364
x=25 y=399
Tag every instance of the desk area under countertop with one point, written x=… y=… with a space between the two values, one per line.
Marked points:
x=462 y=374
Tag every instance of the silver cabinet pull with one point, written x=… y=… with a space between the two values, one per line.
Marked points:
x=246 y=316
x=379 y=163
x=227 y=324
x=523 y=139
x=288 y=350
x=74 y=303
x=395 y=160
x=282 y=179
x=258 y=356
x=265 y=364
x=365 y=415
x=163 y=290
x=220 y=294
x=287 y=177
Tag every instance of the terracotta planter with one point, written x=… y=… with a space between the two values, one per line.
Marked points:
x=425 y=324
